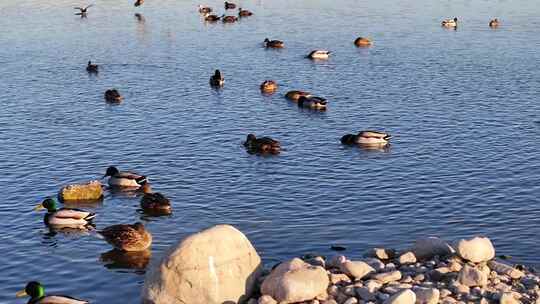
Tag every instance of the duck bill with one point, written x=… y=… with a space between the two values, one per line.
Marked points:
x=21 y=294
x=39 y=207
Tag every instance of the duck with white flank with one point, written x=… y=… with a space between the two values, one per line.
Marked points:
x=318 y=54
x=217 y=79
x=124 y=179
x=450 y=22
x=36 y=292
x=312 y=102
x=64 y=217
x=366 y=138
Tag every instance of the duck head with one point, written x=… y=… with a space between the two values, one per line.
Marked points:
x=139 y=226
x=348 y=139
x=146 y=188
x=250 y=138
x=33 y=289
x=455 y=19
x=48 y=203
x=111 y=171
x=266 y=40
x=217 y=74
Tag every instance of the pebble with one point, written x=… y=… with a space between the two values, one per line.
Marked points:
x=383 y=296
x=357 y=269
x=375 y=263
x=445 y=293
x=407 y=279
x=267 y=300
x=381 y=253
x=339 y=278
x=507 y=298
x=405 y=296
x=331 y=301
x=365 y=294
x=473 y=276
x=386 y=277
x=427 y=295
x=407 y=258
x=351 y=300
x=476 y=250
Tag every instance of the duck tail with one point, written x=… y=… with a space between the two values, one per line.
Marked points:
x=141 y=180
x=90 y=217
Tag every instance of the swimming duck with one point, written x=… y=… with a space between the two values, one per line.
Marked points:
x=138 y=2
x=362 y=42
x=203 y=9
x=211 y=18
x=366 y=138
x=154 y=202
x=36 y=292
x=229 y=5
x=91 y=68
x=113 y=96
x=64 y=217
x=229 y=19
x=312 y=102
x=494 y=23
x=124 y=179
x=262 y=145
x=82 y=10
x=295 y=95
x=269 y=86
x=318 y=54
x=217 y=79
x=244 y=13
x=276 y=44
x=127 y=237
x=449 y=22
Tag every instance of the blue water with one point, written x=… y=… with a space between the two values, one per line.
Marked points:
x=462 y=106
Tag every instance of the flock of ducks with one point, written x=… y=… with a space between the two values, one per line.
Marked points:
x=135 y=237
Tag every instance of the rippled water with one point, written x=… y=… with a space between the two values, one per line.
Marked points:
x=462 y=105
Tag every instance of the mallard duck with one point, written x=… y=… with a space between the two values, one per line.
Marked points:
x=36 y=292
x=269 y=86
x=494 y=23
x=318 y=54
x=211 y=18
x=154 y=202
x=366 y=138
x=362 y=42
x=295 y=95
x=64 y=217
x=124 y=179
x=82 y=10
x=203 y=9
x=276 y=44
x=312 y=102
x=127 y=237
x=138 y=3
x=229 y=19
x=244 y=13
x=217 y=79
x=113 y=96
x=450 y=22
x=262 y=145
x=91 y=68
x=229 y=5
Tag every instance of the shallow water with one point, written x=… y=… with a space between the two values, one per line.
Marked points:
x=462 y=106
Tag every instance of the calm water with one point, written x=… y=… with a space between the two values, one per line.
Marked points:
x=462 y=105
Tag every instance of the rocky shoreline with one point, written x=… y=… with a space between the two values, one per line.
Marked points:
x=432 y=271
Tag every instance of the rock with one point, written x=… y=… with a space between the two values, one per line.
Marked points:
x=373 y=286
x=382 y=296
x=349 y=291
x=335 y=261
x=407 y=258
x=316 y=261
x=390 y=267
x=508 y=298
x=266 y=299
x=351 y=300
x=471 y=276
x=386 y=277
x=331 y=301
x=91 y=191
x=427 y=248
x=213 y=266
x=427 y=295
x=365 y=294
x=476 y=250
x=381 y=253
x=439 y=273
x=252 y=301
x=445 y=293
x=455 y=266
x=448 y=300
x=333 y=290
x=357 y=269
x=295 y=281
x=375 y=263
x=339 y=278
x=405 y=296
x=458 y=288
x=407 y=279
x=504 y=269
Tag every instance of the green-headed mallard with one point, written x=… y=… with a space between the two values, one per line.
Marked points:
x=449 y=22
x=203 y=9
x=494 y=23
x=217 y=79
x=127 y=237
x=229 y=5
x=318 y=54
x=113 y=96
x=64 y=217
x=36 y=292
x=124 y=179
x=312 y=102
x=269 y=86
x=262 y=144
x=154 y=202
x=362 y=42
x=295 y=95
x=91 y=68
x=244 y=13
x=366 y=138
x=276 y=44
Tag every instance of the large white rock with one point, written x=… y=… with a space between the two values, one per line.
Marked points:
x=214 y=266
x=356 y=269
x=426 y=248
x=406 y=296
x=295 y=281
x=476 y=250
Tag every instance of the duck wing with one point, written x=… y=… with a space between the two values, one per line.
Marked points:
x=267 y=140
x=121 y=235
x=74 y=214
x=58 y=299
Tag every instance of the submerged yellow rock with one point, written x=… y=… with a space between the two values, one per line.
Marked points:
x=90 y=191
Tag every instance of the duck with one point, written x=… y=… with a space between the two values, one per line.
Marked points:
x=318 y=54
x=295 y=95
x=91 y=68
x=36 y=292
x=366 y=138
x=217 y=79
x=82 y=11
x=244 y=13
x=269 y=86
x=203 y=9
x=124 y=179
x=262 y=144
x=362 y=42
x=276 y=44
x=450 y=22
x=113 y=96
x=127 y=237
x=494 y=23
x=64 y=217
x=229 y=19
x=229 y=5
x=312 y=102
x=211 y=18
x=153 y=201
x=138 y=3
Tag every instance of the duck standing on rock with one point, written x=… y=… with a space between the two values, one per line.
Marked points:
x=229 y=5
x=217 y=79
x=124 y=179
x=450 y=22
x=319 y=54
x=154 y=202
x=366 y=138
x=64 y=217
x=312 y=102
x=262 y=145
x=91 y=68
x=244 y=13
x=127 y=237
x=113 y=96
x=36 y=292
x=275 y=44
